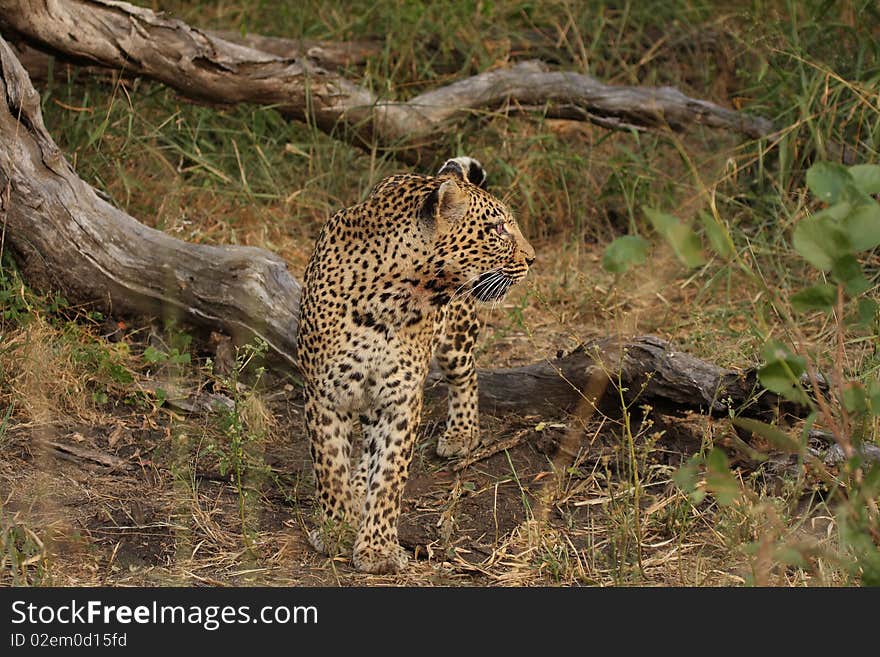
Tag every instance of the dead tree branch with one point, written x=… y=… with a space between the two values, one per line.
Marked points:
x=66 y=237
x=204 y=67
x=647 y=368
x=331 y=55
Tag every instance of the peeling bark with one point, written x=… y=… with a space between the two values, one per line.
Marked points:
x=327 y=54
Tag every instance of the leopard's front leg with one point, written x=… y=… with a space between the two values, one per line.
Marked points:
x=388 y=440
x=455 y=356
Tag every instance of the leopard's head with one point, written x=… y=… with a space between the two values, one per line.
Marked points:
x=476 y=240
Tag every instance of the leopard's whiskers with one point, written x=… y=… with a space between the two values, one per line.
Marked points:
x=480 y=285
x=499 y=289
x=499 y=285
x=479 y=290
x=460 y=291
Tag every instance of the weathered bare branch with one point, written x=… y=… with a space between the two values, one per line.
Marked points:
x=647 y=368
x=68 y=238
x=205 y=67
x=327 y=54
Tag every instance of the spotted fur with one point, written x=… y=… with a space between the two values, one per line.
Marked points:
x=391 y=279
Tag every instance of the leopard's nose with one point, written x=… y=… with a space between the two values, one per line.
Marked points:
x=528 y=251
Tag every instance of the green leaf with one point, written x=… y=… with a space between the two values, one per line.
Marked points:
x=624 y=252
x=717 y=460
x=686 y=476
x=776 y=351
x=777 y=378
x=178 y=358
x=867 y=311
x=862 y=226
x=821 y=241
x=873 y=390
x=153 y=355
x=680 y=237
x=686 y=479
x=119 y=374
x=817 y=297
x=828 y=181
x=782 y=371
x=854 y=396
x=718 y=235
x=848 y=271
x=778 y=439
x=866 y=178
x=720 y=480
x=838 y=211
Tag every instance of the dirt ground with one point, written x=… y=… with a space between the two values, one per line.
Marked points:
x=164 y=514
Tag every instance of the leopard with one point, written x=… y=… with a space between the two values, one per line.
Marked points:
x=394 y=281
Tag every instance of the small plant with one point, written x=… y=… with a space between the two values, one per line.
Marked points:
x=244 y=426
x=105 y=364
x=13 y=302
x=174 y=356
x=22 y=554
x=18 y=303
x=173 y=352
x=832 y=241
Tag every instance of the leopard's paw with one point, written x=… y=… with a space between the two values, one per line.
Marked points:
x=457 y=443
x=387 y=559
x=333 y=540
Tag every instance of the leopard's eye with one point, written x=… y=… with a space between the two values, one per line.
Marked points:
x=501 y=229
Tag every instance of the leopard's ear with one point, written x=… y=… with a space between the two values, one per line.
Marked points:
x=453 y=201
x=465 y=168
x=443 y=207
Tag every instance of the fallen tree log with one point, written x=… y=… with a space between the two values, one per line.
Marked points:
x=67 y=238
x=207 y=68
x=327 y=54
x=646 y=367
